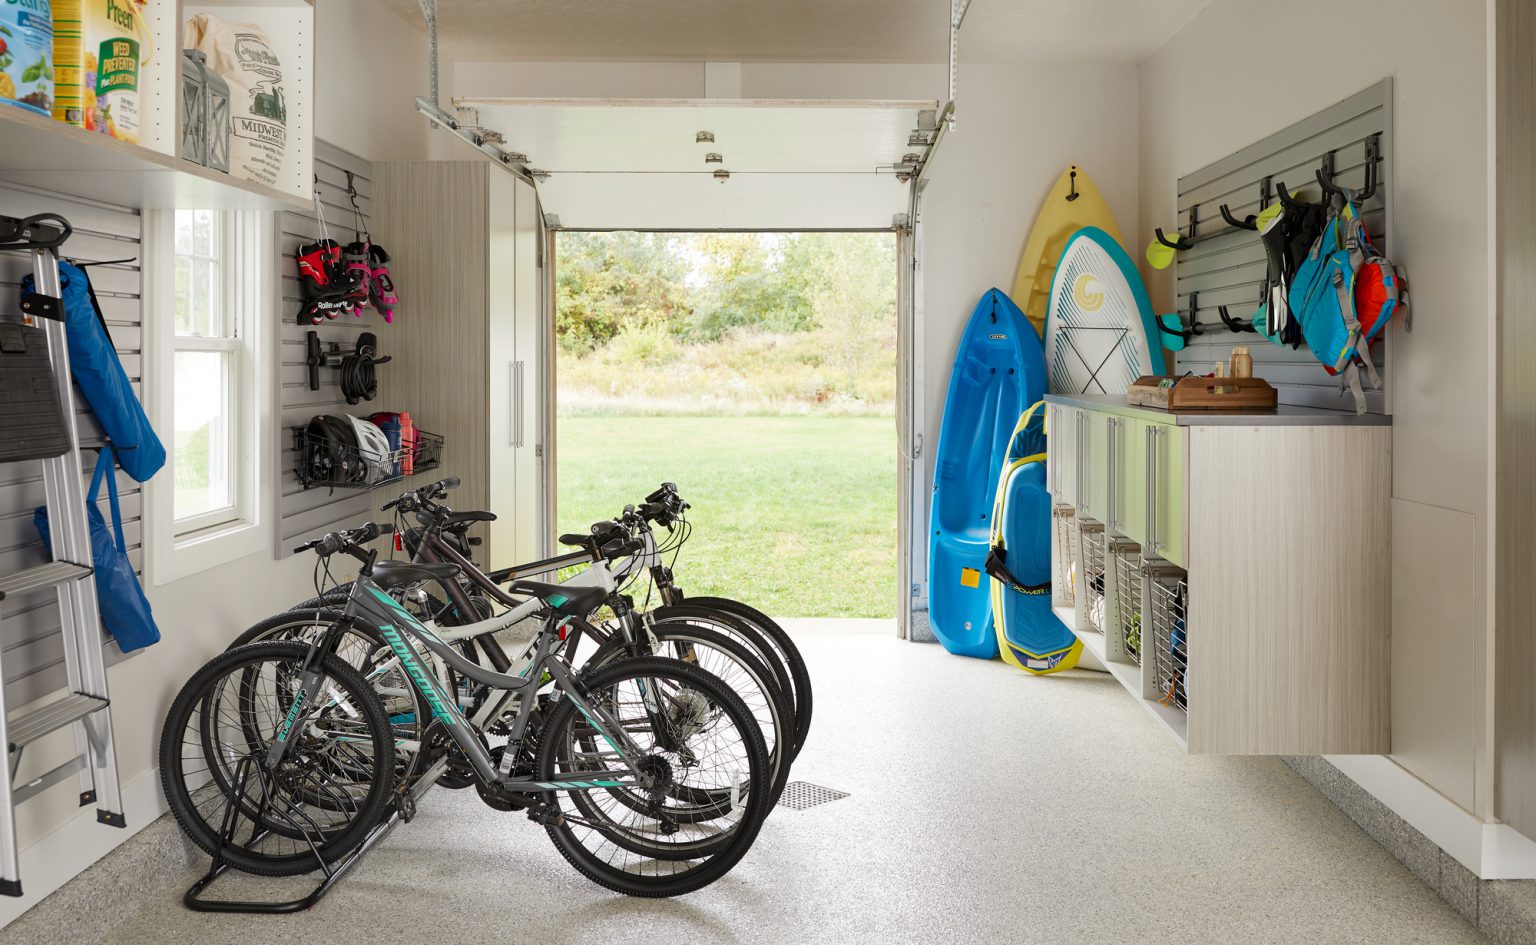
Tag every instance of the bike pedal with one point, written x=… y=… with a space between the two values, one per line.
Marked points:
x=543 y=815
x=406 y=804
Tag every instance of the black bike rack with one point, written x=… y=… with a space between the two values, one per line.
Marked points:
x=402 y=809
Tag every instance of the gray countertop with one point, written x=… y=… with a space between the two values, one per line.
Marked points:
x=1282 y=416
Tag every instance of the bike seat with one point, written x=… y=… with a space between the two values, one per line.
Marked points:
x=577 y=540
x=388 y=574
x=460 y=518
x=566 y=599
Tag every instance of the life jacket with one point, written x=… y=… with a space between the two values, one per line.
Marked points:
x=1344 y=294
x=1027 y=445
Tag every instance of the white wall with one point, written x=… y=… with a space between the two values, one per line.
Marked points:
x=370 y=67
x=1203 y=96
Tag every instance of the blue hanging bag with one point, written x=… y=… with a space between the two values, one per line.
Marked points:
x=95 y=366
x=124 y=608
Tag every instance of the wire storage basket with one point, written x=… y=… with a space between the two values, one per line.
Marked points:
x=1091 y=537
x=1167 y=601
x=1125 y=558
x=321 y=462
x=1064 y=582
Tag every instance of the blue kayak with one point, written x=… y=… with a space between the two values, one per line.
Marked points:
x=999 y=371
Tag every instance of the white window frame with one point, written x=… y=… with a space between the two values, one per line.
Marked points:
x=180 y=549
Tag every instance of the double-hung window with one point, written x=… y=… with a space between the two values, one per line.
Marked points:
x=210 y=378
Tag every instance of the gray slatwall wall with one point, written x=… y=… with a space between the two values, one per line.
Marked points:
x=33 y=658
x=1228 y=269
x=305 y=513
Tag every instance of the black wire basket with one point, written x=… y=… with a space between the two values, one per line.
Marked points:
x=318 y=462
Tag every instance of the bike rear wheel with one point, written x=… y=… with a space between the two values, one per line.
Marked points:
x=778 y=651
x=693 y=733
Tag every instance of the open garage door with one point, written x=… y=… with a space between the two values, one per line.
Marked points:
x=730 y=164
x=703 y=164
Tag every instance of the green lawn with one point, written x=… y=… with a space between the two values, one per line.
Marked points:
x=794 y=515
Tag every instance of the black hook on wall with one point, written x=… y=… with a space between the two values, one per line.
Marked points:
x=1180 y=242
x=1074 y=194
x=1325 y=178
x=1246 y=223
x=1234 y=325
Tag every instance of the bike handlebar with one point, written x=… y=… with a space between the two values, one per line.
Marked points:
x=423 y=496
x=345 y=540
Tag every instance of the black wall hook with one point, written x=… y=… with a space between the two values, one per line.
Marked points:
x=1246 y=223
x=1074 y=194
x=1285 y=196
x=1181 y=243
x=1233 y=324
x=1325 y=174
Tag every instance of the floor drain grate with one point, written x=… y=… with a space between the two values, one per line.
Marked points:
x=800 y=795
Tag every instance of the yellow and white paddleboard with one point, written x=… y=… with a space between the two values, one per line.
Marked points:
x=1058 y=219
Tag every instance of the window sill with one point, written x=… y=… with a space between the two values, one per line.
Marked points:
x=206 y=549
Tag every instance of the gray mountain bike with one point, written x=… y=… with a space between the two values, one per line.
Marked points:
x=277 y=754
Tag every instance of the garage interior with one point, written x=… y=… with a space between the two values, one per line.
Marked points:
x=1353 y=588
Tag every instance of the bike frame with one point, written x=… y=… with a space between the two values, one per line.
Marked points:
x=370 y=606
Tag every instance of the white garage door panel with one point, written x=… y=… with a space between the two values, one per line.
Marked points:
x=563 y=135
x=636 y=164
x=746 y=201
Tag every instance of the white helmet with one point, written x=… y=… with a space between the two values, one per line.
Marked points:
x=373 y=448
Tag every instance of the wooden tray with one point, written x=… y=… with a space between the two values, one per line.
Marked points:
x=1202 y=393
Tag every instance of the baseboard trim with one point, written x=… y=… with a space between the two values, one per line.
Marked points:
x=1434 y=838
x=1490 y=851
x=59 y=869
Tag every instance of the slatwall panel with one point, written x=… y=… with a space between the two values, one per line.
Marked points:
x=1228 y=268
x=33 y=659
x=305 y=513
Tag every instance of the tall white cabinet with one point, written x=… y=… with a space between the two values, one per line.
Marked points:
x=517 y=402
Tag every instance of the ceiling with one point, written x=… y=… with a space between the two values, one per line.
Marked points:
x=1124 y=31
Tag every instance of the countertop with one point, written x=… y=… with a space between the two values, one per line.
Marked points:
x=1282 y=416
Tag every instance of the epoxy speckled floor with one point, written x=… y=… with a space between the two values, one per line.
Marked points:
x=987 y=806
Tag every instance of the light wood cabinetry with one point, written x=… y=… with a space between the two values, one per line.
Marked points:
x=1235 y=570
x=468 y=237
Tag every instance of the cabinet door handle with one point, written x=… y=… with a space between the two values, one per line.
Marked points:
x=1082 y=461
x=516 y=433
x=1111 y=461
x=1152 y=434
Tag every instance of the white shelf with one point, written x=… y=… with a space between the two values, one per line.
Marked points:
x=38 y=151
x=1173 y=721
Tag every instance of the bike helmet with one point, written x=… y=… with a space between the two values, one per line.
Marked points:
x=330 y=453
x=373 y=450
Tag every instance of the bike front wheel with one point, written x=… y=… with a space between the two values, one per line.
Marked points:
x=331 y=786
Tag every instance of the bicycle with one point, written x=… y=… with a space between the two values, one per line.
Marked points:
x=301 y=752
x=720 y=644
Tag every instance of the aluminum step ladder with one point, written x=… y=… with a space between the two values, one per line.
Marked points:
x=85 y=707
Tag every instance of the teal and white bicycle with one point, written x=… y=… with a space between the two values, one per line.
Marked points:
x=650 y=775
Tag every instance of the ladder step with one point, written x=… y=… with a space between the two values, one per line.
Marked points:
x=51 y=574
x=28 y=728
